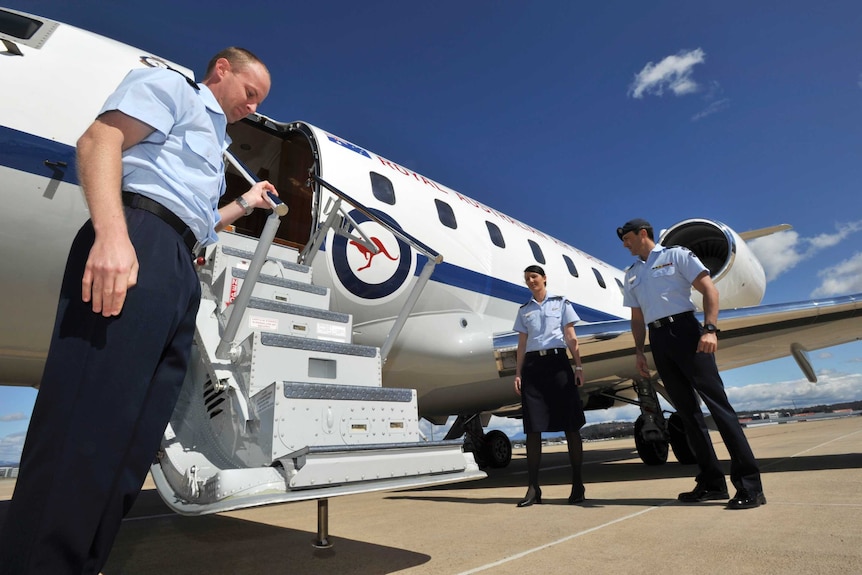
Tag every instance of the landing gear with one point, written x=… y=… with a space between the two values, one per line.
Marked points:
x=492 y=449
x=651 y=438
x=650 y=442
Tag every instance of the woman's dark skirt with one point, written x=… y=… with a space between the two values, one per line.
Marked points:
x=549 y=395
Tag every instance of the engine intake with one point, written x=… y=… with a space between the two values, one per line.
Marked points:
x=735 y=270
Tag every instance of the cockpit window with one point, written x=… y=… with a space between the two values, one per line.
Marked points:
x=20 y=28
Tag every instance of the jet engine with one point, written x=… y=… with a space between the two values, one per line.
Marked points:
x=734 y=269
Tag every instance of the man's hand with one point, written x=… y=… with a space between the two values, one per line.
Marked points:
x=112 y=268
x=641 y=364
x=518 y=384
x=708 y=343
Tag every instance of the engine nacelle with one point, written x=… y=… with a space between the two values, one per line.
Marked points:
x=732 y=265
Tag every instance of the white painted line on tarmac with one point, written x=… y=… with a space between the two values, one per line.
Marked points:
x=558 y=541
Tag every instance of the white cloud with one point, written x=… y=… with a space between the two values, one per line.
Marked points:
x=781 y=252
x=832 y=387
x=844 y=278
x=673 y=73
x=11 y=446
x=13 y=417
x=713 y=108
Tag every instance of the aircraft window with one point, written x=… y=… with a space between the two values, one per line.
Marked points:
x=496 y=235
x=446 y=215
x=571 y=265
x=382 y=188
x=17 y=25
x=600 y=279
x=620 y=285
x=537 y=251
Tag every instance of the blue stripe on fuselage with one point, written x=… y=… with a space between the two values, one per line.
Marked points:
x=459 y=277
x=28 y=153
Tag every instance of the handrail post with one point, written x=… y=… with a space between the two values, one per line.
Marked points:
x=423 y=278
x=241 y=302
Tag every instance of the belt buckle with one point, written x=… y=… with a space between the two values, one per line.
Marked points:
x=543 y=352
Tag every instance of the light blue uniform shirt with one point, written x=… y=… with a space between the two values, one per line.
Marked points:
x=661 y=285
x=181 y=164
x=544 y=322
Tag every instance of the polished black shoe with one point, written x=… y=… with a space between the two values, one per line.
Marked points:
x=703 y=493
x=577 y=495
x=746 y=500
x=534 y=495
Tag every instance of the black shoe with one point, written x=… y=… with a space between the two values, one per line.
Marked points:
x=703 y=493
x=577 y=495
x=745 y=500
x=534 y=495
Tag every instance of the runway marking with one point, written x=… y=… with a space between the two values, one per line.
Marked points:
x=558 y=541
x=826 y=443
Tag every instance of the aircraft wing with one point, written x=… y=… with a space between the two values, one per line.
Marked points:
x=760 y=333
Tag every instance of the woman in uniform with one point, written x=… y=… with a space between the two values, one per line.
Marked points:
x=546 y=382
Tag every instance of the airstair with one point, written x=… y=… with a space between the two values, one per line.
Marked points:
x=279 y=404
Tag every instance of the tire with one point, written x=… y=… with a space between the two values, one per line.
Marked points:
x=650 y=452
x=497 y=451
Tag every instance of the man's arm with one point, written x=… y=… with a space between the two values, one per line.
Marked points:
x=255 y=197
x=703 y=283
x=112 y=266
x=639 y=334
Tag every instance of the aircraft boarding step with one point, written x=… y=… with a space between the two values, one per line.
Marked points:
x=290 y=409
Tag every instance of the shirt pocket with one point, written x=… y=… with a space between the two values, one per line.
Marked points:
x=205 y=148
x=533 y=322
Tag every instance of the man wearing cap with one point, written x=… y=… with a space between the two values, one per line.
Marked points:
x=658 y=289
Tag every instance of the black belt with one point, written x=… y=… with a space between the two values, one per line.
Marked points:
x=139 y=202
x=543 y=352
x=670 y=319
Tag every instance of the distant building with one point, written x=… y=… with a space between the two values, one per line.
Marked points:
x=8 y=472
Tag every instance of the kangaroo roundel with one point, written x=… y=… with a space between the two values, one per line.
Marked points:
x=374 y=269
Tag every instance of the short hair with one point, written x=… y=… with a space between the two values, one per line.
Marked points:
x=535 y=269
x=238 y=58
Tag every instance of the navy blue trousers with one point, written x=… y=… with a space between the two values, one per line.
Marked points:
x=107 y=393
x=688 y=374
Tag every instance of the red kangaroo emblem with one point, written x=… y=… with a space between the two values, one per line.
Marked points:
x=369 y=255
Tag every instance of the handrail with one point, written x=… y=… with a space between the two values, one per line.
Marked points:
x=239 y=305
x=433 y=257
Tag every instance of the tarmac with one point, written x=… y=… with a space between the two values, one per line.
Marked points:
x=630 y=523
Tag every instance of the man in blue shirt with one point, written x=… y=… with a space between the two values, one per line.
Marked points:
x=152 y=172
x=658 y=289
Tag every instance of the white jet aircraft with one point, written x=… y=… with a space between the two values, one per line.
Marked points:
x=375 y=271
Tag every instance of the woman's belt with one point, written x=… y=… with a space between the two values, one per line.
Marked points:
x=544 y=352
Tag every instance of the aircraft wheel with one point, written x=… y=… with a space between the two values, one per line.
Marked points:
x=497 y=451
x=679 y=440
x=650 y=452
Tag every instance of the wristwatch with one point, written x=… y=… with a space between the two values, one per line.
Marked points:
x=710 y=328
x=244 y=205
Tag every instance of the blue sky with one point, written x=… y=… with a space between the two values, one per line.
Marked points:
x=574 y=117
